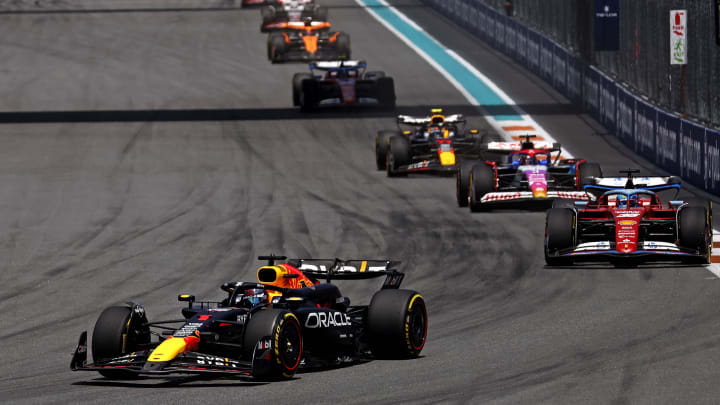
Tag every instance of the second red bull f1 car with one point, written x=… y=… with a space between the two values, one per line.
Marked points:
x=629 y=224
x=267 y=329
x=435 y=144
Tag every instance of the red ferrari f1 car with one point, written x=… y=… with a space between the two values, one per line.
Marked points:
x=629 y=224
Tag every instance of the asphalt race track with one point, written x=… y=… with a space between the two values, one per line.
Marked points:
x=180 y=159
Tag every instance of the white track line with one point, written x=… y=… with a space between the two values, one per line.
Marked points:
x=496 y=125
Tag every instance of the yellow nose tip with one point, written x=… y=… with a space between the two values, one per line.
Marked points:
x=447 y=158
x=540 y=194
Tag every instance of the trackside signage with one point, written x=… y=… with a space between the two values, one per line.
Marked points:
x=717 y=22
x=678 y=37
x=679 y=146
x=607 y=25
x=691 y=153
x=712 y=161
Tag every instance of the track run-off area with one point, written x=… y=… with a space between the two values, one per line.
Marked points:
x=150 y=149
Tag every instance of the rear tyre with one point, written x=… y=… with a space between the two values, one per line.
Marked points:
x=586 y=170
x=481 y=182
x=397 y=324
x=281 y=331
x=297 y=81
x=114 y=336
x=268 y=16
x=342 y=45
x=321 y=13
x=276 y=47
x=559 y=235
x=398 y=155
x=374 y=75
x=462 y=182
x=382 y=140
x=308 y=98
x=386 y=92
x=694 y=231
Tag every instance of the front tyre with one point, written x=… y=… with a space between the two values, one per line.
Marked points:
x=115 y=335
x=462 y=182
x=297 y=81
x=342 y=45
x=276 y=47
x=481 y=181
x=397 y=324
x=308 y=98
x=273 y=340
x=585 y=172
x=386 y=92
x=559 y=235
x=398 y=155
x=381 y=147
x=695 y=232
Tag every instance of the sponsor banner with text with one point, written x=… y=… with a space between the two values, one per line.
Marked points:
x=667 y=141
x=560 y=58
x=711 y=160
x=692 y=139
x=626 y=120
x=533 y=50
x=608 y=98
x=574 y=79
x=591 y=91
x=546 y=59
x=645 y=130
x=678 y=146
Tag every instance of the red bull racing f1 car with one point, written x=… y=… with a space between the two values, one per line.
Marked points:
x=628 y=224
x=435 y=144
x=307 y=41
x=342 y=83
x=269 y=329
x=529 y=174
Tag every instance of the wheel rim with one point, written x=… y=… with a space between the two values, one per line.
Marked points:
x=290 y=345
x=418 y=326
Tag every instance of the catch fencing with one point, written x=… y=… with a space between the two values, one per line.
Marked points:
x=645 y=121
x=643 y=61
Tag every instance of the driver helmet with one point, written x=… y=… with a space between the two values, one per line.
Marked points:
x=633 y=201
x=621 y=201
x=520 y=160
x=252 y=298
x=435 y=132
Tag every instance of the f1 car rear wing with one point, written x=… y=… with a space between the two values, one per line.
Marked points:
x=516 y=146
x=352 y=269
x=636 y=183
x=409 y=120
x=306 y=25
x=338 y=64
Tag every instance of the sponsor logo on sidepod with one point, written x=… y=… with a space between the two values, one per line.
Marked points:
x=326 y=320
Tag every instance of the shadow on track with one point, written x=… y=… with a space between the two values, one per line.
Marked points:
x=175 y=382
x=266 y=114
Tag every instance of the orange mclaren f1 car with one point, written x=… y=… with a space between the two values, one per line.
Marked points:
x=268 y=330
x=307 y=41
